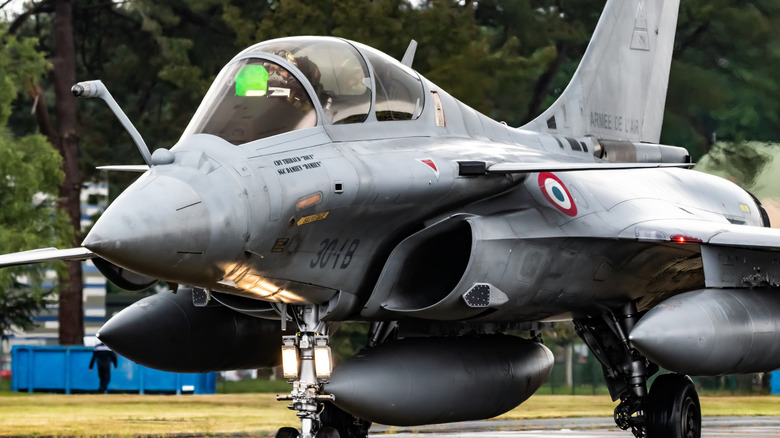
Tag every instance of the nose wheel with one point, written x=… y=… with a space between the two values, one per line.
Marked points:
x=291 y=432
x=287 y=432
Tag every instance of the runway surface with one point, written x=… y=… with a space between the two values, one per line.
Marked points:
x=713 y=427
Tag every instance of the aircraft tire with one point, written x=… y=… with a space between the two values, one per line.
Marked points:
x=287 y=432
x=347 y=425
x=328 y=432
x=673 y=409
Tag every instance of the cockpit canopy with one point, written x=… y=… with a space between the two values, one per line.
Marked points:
x=295 y=83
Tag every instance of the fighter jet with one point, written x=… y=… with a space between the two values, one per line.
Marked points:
x=322 y=181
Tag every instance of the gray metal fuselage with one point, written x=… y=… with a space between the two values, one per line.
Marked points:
x=240 y=228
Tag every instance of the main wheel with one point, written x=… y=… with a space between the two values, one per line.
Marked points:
x=672 y=409
x=287 y=432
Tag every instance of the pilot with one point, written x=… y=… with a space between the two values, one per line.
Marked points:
x=279 y=77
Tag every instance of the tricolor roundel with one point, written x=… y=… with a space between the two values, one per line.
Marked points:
x=553 y=189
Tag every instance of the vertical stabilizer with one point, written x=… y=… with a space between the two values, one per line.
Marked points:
x=619 y=89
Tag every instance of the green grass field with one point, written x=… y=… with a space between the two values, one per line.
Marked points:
x=256 y=414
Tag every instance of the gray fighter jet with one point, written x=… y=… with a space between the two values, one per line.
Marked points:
x=323 y=181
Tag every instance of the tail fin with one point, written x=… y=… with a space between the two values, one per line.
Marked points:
x=619 y=89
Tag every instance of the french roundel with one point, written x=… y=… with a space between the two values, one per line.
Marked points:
x=553 y=189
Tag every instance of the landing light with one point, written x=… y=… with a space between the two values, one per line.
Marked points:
x=323 y=363
x=289 y=358
x=648 y=234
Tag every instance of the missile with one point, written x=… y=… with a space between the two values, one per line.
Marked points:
x=417 y=381
x=712 y=332
x=167 y=332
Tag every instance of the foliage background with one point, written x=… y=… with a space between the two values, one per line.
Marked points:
x=509 y=59
x=506 y=58
x=31 y=175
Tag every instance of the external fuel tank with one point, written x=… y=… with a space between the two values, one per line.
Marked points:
x=167 y=332
x=712 y=332
x=439 y=380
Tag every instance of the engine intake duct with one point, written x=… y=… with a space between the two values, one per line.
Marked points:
x=166 y=332
x=712 y=332
x=423 y=270
x=417 y=381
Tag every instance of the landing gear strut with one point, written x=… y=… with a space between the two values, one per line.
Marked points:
x=671 y=409
x=307 y=364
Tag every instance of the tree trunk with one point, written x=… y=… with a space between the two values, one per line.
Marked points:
x=71 y=313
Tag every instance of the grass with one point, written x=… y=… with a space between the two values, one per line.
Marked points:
x=257 y=414
x=129 y=415
x=279 y=386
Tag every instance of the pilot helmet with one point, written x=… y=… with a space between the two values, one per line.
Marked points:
x=286 y=54
x=278 y=75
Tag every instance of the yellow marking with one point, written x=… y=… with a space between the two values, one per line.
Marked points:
x=312 y=218
x=744 y=208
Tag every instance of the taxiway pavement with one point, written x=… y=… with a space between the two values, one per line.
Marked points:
x=712 y=427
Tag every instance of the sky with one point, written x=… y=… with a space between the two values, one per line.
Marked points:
x=11 y=8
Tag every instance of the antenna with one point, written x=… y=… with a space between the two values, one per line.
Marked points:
x=409 y=55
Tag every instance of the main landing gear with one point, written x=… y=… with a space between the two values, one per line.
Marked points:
x=307 y=363
x=670 y=410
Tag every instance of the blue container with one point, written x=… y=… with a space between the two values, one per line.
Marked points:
x=66 y=370
x=774 y=382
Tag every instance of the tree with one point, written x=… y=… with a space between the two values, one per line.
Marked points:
x=62 y=135
x=550 y=36
x=722 y=84
x=65 y=140
x=31 y=171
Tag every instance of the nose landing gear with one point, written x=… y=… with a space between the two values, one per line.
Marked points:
x=307 y=364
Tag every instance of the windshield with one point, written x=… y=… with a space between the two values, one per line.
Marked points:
x=399 y=91
x=336 y=71
x=258 y=95
x=252 y=99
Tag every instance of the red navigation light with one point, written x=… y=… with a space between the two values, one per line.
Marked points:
x=681 y=238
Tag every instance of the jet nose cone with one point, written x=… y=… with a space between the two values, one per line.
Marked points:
x=159 y=227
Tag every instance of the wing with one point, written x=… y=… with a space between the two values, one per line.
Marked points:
x=563 y=167
x=705 y=232
x=732 y=256
x=44 y=255
x=125 y=168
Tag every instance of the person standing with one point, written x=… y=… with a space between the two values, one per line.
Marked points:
x=104 y=357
